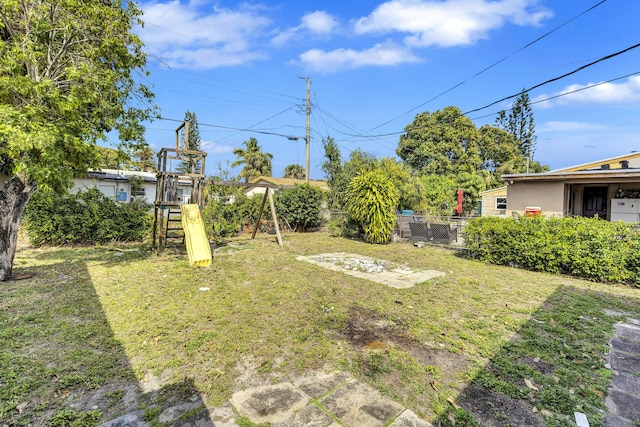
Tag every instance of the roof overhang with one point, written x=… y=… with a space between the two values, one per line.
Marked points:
x=605 y=176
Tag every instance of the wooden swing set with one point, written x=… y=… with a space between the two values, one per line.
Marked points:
x=167 y=218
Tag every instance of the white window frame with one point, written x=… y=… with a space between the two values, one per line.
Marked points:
x=503 y=203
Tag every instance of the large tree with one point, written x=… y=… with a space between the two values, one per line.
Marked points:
x=443 y=142
x=519 y=123
x=190 y=141
x=68 y=76
x=254 y=162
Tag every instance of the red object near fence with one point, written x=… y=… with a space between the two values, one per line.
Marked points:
x=459 y=205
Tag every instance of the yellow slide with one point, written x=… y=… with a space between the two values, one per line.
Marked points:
x=195 y=237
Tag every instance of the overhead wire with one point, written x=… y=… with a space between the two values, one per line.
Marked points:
x=567 y=93
x=604 y=58
x=548 y=33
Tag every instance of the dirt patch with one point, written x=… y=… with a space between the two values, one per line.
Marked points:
x=368 y=330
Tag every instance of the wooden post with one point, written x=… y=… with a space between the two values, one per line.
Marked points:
x=264 y=201
x=274 y=216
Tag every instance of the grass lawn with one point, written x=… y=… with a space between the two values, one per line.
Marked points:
x=93 y=321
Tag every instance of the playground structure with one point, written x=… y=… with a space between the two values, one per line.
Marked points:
x=176 y=217
x=171 y=219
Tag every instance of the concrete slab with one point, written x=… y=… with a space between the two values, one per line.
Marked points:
x=175 y=412
x=623 y=404
x=627 y=382
x=625 y=345
x=628 y=331
x=133 y=419
x=357 y=404
x=610 y=420
x=275 y=404
x=408 y=418
x=311 y=416
x=379 y=271
x=624 y=362
x=316 y=386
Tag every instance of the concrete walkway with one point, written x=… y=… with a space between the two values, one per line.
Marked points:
x=623 y=396
x=323 y=400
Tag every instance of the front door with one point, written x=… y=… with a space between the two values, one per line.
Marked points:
x=594 y=202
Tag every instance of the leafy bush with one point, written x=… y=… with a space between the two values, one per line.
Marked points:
x=584 y=247
x=341 y=225
x=300 y=207
x=372 y=200
x=223 y=218
x=86 y=217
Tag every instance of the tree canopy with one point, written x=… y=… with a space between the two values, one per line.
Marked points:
x=69 y=74
x=190 y=141
x=294 y=171
x=255 y=163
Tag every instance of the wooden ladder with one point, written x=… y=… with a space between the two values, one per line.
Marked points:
x=174 y=233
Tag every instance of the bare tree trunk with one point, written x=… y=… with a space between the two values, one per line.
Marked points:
x=14 y=197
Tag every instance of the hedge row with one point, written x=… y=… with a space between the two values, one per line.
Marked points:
x=585 y=247
x=86 y=217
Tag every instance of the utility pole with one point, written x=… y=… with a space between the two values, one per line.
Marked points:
x=308 y=137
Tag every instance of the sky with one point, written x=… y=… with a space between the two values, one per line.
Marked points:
x=242 y=67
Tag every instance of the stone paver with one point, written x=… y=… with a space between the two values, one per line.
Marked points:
x=322 y=400
x=357 y=404
x=409 y=419
x=623 y=396
x=275 y=404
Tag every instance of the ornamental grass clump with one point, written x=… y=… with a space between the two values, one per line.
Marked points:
x=371 y=200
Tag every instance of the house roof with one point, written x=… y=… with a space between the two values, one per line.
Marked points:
x=632 y=161
x=494 y=191
x=121 y=175
x=288 y=182
x=611 y=169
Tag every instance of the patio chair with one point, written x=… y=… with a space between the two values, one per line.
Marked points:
x=443 y=233
x=420 y=231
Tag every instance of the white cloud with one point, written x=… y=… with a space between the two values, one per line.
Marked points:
x=603 y=93
x=451 y=22
x=380 y=54
x=190 y=36
x=318 y=23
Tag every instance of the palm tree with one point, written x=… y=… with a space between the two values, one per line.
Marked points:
x=255 y=162
x=294 y=171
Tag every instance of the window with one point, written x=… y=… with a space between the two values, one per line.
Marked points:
x=137 y=191
x=501 y=203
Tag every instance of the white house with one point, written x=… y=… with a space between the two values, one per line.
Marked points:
x=124 y=185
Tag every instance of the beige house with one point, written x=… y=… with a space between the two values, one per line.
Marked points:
x=608 y=188
x=252 y=190
x=493 y=202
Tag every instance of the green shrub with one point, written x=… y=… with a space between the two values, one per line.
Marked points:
x=300 y=207
x=371 y=200
x=86 y=217
x=223 y=218
x=341 y=225
x=584 y=247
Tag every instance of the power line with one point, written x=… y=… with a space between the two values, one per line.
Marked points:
x=567 y=93
x=548 y=33
x=487 y=115
x=604 y=58
x=289 y=137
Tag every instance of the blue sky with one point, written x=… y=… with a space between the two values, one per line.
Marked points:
x=373 y=65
